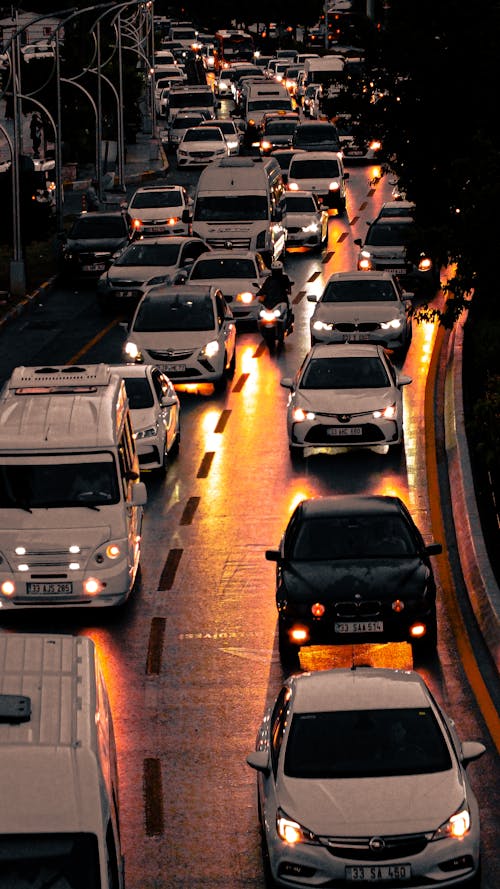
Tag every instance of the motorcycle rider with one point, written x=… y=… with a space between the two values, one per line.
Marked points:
x=276 y=289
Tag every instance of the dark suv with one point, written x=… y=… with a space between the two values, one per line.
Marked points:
x=318 y=136
x=94 y=238
x=353 y=569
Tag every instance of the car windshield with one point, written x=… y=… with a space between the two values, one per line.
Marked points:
x=139 y=393
x=156 y=199
x=327 y=538
x=98 y=228
x=226 y=126
x=231 y=208
x=175 y=312
x=204 y=134
x=392 y=234
x=299 y=204
x=223 y=268
x=142 y=253
x=359 y=292
x=365 y=744
x=65 y=861
x=344 y=373
x=315 y=169
x=37 y=483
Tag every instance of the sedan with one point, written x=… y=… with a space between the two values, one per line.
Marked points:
x=93 y=239
x=188 y=332
x=362 y=780
x=362 y=306
x=143 y=264
x=392 y=245
x=201 y=145
x=155 y=411
x=305 y=220
x=354 y=569
x=230 y=131
x=239 y=274
x=346 y=395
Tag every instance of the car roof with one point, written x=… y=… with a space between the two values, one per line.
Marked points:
x=227 y=254
x=301 y=193
x=165 y=239
x=360 y=688
x=134 y=370
x=144 y=188
x=358 y=276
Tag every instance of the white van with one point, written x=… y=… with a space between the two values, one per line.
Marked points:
x=59 y=822
x=264 y=97
x=238 y=203
x=71 y=503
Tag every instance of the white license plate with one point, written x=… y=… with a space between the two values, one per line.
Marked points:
x=173 y=368
x=156 y=228
x=125 y=294
x=374 y=873
x=341 y=431
x=48 y=589
x=396 y=271
x=94 y=267
x=360 y=626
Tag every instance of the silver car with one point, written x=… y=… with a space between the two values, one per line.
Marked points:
x=239 y=274
x=368 y=307
x=362 y=781
x=346 y=395
x=305 y=220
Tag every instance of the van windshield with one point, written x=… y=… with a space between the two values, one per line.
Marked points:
x=40 y=482
x=65 y=861
x=231 y=208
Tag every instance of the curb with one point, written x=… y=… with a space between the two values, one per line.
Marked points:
x=28 y=302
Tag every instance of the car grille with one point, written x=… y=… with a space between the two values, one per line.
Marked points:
x=392 y=847
x=293 y=230
x=351 y=327
x=171 y=354
x=242 y=243
x=201 y=154
x=318 y=435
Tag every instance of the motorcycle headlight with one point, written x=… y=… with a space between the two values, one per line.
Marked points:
x=386 y=413
x=210 y=350
x=291 y=831
x=456 y=826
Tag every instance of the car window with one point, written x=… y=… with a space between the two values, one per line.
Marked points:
x=344 y=373
x=351 y=537
x=365 y=744
x=175 y=311
x=359 y=291
x=278 y=725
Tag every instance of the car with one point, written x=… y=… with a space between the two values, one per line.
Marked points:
x=321 y=172
x=362 y=780
x=367 y=307
x=93 y=239
x=145 y=263
x=290 y=78
x=358 y=143
x=277 y=132
x=179 y=123
x=201 y=145
x=319 y=135
x=159 y=210
x=283 y=156
x=239 y=274
x=230 y=131
x=189 y=332
x=155 y=412
x=396 y=209
x=305 y=220
x=394 y=245
x=353 y=569
x=345 y=395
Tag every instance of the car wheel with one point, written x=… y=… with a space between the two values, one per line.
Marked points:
x=289 y=653
x=220 y=385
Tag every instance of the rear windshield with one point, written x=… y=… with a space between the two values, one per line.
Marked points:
x=156 y=199
x=315 y=169
x=175 y=312
x=49 y=860
x=393 y=234
x=269 y=104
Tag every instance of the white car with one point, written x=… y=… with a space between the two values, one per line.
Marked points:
x=305 y=220
x=239 y=274
x=188 y=332
x=145 y=263
x=200 y=146
x=155 y=411
x=230 y=131
x=321 y=172
x=160 y=210
x=369 y=307
x=346 y=395
x=362 y=780
x=181 y=122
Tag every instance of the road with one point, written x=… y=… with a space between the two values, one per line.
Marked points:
x=192 y=660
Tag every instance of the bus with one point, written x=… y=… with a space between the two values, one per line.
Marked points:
x=233 y=46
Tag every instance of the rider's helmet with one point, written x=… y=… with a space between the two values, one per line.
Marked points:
x=277 y=267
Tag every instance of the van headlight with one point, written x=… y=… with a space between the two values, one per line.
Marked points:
x=210 y=350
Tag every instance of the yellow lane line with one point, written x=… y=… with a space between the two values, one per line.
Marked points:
x=102 y=333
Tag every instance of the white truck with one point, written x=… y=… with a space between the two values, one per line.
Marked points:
x=324 y=70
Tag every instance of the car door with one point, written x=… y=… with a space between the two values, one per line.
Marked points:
x=168 y=405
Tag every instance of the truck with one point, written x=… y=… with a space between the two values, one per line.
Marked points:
x=324 y=70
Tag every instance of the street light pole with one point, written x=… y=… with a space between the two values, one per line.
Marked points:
x=17 y=266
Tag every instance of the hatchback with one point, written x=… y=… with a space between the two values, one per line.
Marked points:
x=345 y=395
x=392 y=244
x=362 y=780
x=187 y=331
x=354 y=569
x=93 y=239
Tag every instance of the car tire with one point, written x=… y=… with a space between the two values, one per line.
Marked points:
x=289 y=653
x=220 y=385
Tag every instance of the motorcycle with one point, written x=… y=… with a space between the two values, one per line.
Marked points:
x=275 y=324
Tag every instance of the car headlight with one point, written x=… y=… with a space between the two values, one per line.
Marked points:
x=210 y=350
x=245 y=297
x=137 y=224
x=291 y=831
x=182 y=152
x=424 y=264
x=173 y=220
x=132 y=350
x=150 y=432
x=299 y=415
x=232 y=144
x=159 y=279
x=456 y=826
x=322 y=325
x=395 y=324
x=265 y=145
x=293 y=186
x=312 y=227
x=334 y=186
x=386 y=413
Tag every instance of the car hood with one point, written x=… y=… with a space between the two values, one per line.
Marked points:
x=106 y=245
x=300 y=219
x=142 y=273
x=345 y=401
x=367 y=807
x=397 y=252
x=373 y=311
x=230 y=286
x=370 y=578
x=177 y=339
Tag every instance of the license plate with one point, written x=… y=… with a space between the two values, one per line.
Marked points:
x=173 y=368
x=125 y=294
x=48 y=589
x=360 y=626
x=374 y=873
x=94 y=267
x=156 y=228
x=342 y=431
x=396 y=271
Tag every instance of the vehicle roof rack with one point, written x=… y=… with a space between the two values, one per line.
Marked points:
x=40 y=380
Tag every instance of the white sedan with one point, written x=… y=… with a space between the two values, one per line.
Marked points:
x=200 y=146
x=362 y=781
x=155 y=411
x=346 y=395
x=239 y=274
x=305 y=220
x=362 y=307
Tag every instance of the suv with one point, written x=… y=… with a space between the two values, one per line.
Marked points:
x=317 y=136
x=87 y=251
x=393 y=245
x=353 y=569
x=159 y=210
x=188 y=331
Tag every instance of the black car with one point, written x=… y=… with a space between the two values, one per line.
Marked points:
x=318 y=136
x=354 y=569
x=94 y=238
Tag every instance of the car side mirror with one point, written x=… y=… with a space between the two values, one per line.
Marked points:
x=312 y=297
x=403 y=380
x=347 y=175
x=259 y=760
x=186 y=216
x=181 y=277
x=287 y=383
x=139 y=496
x=433 y=549
x=272 y=555
x=168 y=401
